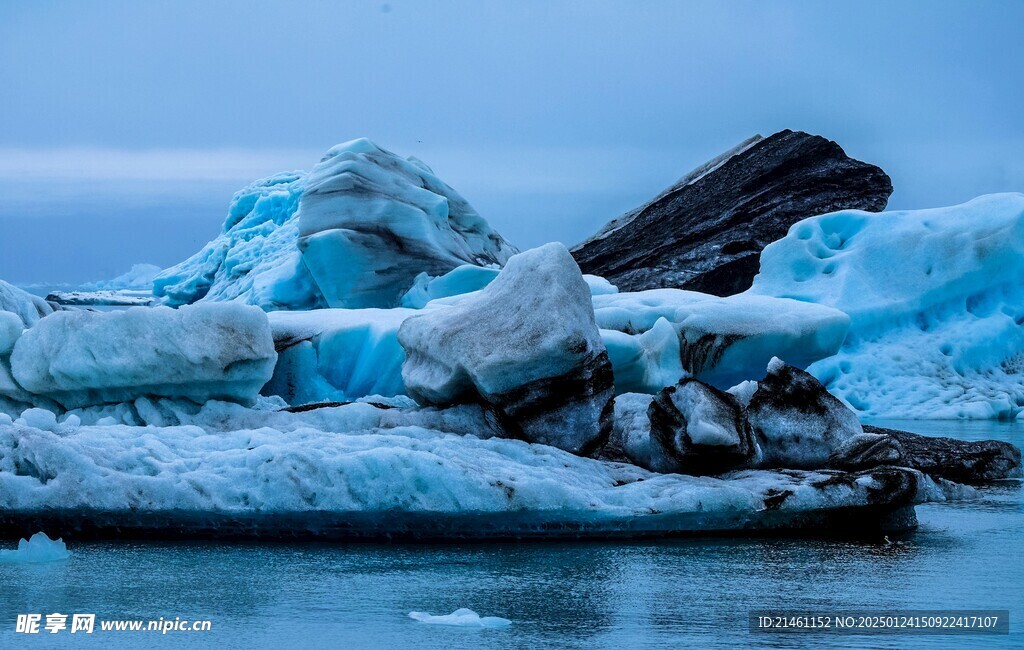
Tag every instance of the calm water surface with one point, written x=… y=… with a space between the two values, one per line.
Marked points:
x=576 y=595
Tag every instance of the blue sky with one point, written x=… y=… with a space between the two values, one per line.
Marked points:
x=126 y=126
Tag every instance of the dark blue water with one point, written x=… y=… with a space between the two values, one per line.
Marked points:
x=575 y=595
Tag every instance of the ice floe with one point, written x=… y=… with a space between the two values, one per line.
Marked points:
x=36 y=550
x=461 y=617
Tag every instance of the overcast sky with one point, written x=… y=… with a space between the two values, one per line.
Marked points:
x=126 y=126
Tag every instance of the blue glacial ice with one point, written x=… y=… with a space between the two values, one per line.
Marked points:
x=36 y=550
x=653 y=338
x=255 y=259
x=370 y=222
x=357 y=231
x=935 y=303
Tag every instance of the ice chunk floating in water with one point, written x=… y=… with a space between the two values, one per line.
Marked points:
x=37 y=549
x=461 y=617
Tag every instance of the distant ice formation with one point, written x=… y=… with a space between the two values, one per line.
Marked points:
x=140 y=276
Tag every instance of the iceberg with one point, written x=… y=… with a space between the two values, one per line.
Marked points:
x=106 y=298
x=363 y=229
x=199 y=352
x=337 y=473
x=461 y=617
x=370 y=222
x=35 y=550
x=935 y=304
x=655 y=337
x=12 y=396
x=698 y=429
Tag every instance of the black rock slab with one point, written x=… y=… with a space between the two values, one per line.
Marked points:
x=706 y=232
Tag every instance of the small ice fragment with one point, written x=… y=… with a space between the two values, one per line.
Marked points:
x=37 y=549
x=460 y=618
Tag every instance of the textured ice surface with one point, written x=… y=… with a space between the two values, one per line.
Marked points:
x=461 y=617
x=199 y=352
x=255 y=259
x=661 y=333
x=370 y=222
x=27 y=307
x=935 y=301
x=36 y=549
x=339 y=467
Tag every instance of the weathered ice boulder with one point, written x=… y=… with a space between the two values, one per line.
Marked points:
x=698 y=429
x=796 y=422
x=706 y=232
x=526 y=345
x=211 y=351
x=369 y=222
x=956 y=460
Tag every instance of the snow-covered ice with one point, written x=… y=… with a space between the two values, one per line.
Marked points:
x=198 y=352
x=661 y=335
x=461 y=617
x=370 y=222
x=935 y=302
x=35 y=550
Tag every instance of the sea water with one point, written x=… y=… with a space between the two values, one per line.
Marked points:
x=671 y=593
